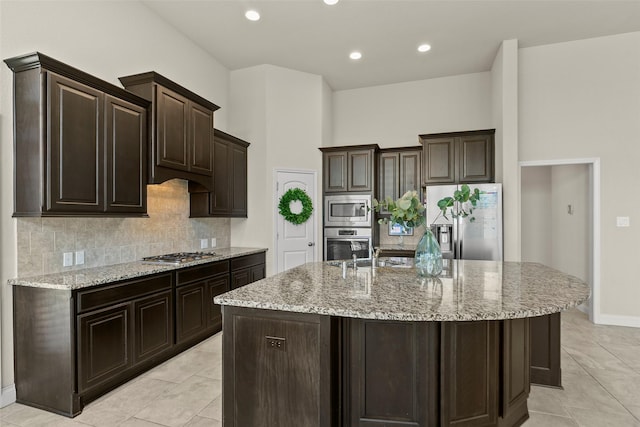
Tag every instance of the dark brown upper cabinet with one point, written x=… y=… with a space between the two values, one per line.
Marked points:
x=80 y=143
x=229 y=195
x=181 y=130
x=458 y=157
x=349 y=169
x=398 y=171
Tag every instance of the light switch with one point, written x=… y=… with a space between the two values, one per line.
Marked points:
x=79 y=257
x=204 y=243
x=214 y=242
x=67 y=259
x=622 y=221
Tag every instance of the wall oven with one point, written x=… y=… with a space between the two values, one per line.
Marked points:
x=343 y=243
x=347 y=210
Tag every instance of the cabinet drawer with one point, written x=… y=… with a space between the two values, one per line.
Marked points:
x=126 y=291
x=201 y=272
x=247 y=261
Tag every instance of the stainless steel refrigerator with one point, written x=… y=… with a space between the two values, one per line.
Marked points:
x=461 y=238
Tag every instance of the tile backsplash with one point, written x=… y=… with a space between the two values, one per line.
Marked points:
x=106 y=241
x=409 y=242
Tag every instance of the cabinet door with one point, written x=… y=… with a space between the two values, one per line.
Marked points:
x=104 y=345
x=190 y=311
x=469 y=369
x=240 y=278
x=388 y=176
x=475 y=158
x=439 y=160
x=258 y=272
x=515 y=370
x=220 y=199
x=126 y=145
x=360 y=170
x=215 y=287
x=153 y=325
x=392 y=373
x=200 y=139
x=545 y=350
x=335 y=171
x=76 y=147
x=172 y=116
x=239 y=179
x=410 y=167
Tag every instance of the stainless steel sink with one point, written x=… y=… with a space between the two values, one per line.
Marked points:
x=382 y=262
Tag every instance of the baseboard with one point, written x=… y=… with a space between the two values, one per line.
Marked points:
x=611 y=319
x=7 y=395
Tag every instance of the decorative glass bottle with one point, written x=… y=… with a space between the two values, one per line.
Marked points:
x=428 y=257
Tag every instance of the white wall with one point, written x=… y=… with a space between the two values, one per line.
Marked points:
x=582 y=99
x=394 y=115
x=283 y=113
x=537 y=231
x=104 y=38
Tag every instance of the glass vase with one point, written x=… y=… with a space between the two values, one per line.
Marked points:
x=428 y=257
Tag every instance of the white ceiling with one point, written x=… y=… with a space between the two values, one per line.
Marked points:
x=307 y=35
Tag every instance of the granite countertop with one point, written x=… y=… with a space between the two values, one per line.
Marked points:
x=87 y=277
x=469 y=290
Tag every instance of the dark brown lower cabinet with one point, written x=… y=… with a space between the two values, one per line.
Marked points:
x=247 y=269
x=373 y=373
x=545 y=350
x=190 y=311
x=153 y=320
x=278 y=368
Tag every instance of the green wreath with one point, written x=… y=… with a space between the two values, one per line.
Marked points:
x=284 y=207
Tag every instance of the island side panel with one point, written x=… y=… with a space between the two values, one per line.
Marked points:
x=279 y=369
x=545 y=350
x=392 y=378
x=514 y=372
x=44 y=345
x=469 y=373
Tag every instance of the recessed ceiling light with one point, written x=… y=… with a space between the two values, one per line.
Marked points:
x=355 y=55
x=424 y=48
x=331 y=2
x=252 y=15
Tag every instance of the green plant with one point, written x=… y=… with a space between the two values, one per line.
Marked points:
x=463 y=197
x=284 y=207
x=406 y=211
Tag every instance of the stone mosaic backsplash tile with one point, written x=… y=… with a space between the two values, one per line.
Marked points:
x=107 y=241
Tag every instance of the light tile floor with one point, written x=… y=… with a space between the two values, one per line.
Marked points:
x=600 y=366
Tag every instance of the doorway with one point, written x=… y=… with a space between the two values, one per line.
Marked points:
x=295 y=244
x=560 y=202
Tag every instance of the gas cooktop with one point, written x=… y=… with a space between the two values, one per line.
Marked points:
x=178 y=257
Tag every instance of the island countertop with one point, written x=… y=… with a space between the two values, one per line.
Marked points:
x=467 y=291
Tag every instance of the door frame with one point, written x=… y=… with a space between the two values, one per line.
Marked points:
x=317 y=210
x=593 y=164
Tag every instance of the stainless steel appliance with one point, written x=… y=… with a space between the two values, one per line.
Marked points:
x=343 y=243
x=460 y=238
x=347 y=210
x=178 y=257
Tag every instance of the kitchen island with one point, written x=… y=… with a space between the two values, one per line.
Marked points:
x=321 y=345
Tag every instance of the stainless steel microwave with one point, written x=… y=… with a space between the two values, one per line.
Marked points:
x=347 y=210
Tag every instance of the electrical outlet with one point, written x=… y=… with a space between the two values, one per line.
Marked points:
x=214 y=242
x=67 y=259
x=204 y=243
x=79 y=257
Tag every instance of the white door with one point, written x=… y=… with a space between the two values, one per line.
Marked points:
x=295 y=244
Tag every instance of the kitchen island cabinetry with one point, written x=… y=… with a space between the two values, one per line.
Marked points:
x=394 y=351
x=229 y=195
x=349 y=168
x=458 y=157
x=181 y=131
x=80 y=143
x=79 y=335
